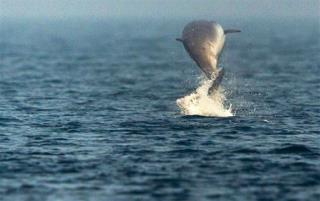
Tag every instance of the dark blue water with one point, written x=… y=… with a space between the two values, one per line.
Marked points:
x=88 y=112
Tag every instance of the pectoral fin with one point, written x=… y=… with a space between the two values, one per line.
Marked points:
x=231 y=31
x=179 y=39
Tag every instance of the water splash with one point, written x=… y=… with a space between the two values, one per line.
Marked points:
x=200 y=103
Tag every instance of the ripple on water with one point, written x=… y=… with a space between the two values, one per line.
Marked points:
x=293 y=149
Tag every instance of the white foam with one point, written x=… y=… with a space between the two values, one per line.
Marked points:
x=200 y=103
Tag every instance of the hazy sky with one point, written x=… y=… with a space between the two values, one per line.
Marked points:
x=159 y=8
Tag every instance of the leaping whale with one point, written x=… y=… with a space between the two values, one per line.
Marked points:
x=204 y=41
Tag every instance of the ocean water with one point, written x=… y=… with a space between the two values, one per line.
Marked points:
x=88 y=111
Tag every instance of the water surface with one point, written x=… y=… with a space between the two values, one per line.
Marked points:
x=88 y=112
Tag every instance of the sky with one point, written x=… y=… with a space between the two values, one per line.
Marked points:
x=159 y=8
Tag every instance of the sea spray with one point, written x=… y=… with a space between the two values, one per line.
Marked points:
x=200 y=103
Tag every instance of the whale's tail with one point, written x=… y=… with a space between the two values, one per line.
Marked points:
x=216 y=81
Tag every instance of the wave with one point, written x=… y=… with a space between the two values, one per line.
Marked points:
x=200 y=103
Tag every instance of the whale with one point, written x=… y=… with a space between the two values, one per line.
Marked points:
x=204 y=41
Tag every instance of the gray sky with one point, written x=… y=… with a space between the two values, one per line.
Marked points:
x=159 y=8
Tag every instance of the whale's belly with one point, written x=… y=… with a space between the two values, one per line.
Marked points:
x=204 y=41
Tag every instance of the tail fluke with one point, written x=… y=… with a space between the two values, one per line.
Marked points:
x=231 y=31
x=216 y=82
